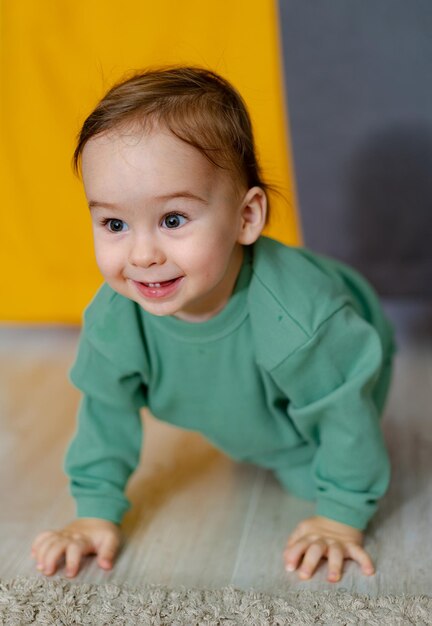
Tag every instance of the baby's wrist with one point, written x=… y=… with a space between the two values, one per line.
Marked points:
x=335 y=524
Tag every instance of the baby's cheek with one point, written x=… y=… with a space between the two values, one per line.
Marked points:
x=108 y=262
x=111 y=266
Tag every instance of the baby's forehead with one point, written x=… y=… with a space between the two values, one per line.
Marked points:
x=154 y=143
x=155 y=147
x=151 y=164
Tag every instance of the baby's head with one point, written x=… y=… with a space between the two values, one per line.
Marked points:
x=195 y=104
x=174 y=188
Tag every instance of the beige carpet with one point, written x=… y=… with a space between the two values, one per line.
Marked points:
x=57 y=601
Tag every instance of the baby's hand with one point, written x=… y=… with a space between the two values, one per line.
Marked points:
x=86 y=535
x=320 y=537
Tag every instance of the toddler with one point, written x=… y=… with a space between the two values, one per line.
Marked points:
x=279 y=356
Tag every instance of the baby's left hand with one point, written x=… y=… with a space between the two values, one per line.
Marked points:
x=320 y=537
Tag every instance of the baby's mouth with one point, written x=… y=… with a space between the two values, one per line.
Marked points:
x=158 y=289
x=163 y=283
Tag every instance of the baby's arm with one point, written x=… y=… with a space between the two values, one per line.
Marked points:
x=330 y=382
x=99 y=461
x=320 y=537
x=81 y=537
x=101 y=457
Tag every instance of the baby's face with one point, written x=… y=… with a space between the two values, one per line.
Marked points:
x=166 y=223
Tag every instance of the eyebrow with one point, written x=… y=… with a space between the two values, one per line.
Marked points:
x=169 y=196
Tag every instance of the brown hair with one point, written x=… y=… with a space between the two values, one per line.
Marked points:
x=197 y=105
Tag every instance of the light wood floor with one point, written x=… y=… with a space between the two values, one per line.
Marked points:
x=198 y=518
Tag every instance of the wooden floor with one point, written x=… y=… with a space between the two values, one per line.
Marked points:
x=198 y=518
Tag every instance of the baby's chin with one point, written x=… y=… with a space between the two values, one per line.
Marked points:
x=157 y=308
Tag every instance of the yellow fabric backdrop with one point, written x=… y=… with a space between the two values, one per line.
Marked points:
x=58 y=58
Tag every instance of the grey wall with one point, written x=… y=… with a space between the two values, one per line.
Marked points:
x=359 y=85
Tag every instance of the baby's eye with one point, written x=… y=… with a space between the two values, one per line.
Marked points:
x=174 y=220
x=116 y=226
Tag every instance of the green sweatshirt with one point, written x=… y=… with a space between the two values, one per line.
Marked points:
x=291 y=375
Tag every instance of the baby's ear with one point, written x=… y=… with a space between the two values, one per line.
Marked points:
x=252 y=215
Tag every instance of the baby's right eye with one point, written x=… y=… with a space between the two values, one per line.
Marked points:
x=115 y=226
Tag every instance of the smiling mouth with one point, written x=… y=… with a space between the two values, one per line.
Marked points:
x=158 y=289
x=161 y=284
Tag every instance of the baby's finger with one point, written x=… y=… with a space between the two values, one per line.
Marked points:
x=39 y=540
x=357 y=553
x=53 y=556
x=43 y=550
x=293 y=554
x=335 y=562
x=107 y=552
x=313 y=556
x=74 y=552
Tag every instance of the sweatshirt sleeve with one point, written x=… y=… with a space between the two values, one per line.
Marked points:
x=105 y=449
x=330 y=381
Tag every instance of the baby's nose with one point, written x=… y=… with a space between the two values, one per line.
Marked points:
x=146 y=251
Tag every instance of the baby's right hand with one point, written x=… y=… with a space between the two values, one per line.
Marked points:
x=86 y=535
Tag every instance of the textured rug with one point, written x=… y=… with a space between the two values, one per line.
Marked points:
x=60 y=602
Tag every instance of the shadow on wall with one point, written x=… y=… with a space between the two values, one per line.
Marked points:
x=390 y=210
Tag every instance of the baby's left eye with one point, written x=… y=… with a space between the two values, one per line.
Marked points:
x=174 y=220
